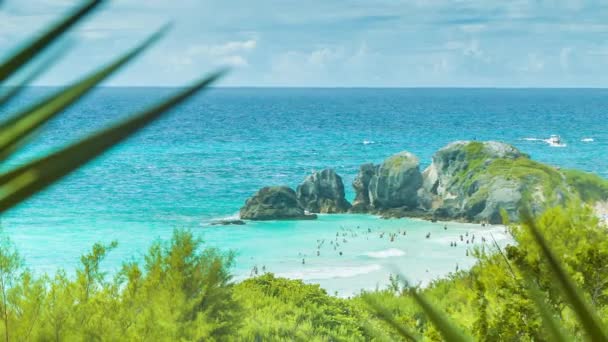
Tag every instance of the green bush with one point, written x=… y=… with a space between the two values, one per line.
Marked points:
x=181 y=292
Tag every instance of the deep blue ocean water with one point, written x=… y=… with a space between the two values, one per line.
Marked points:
x=203 y=161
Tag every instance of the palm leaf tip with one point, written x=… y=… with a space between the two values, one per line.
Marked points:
x=28 y=52
x=552 y=326
x=19 y=127
x=449 y=331
x=21 y=183
x=585 y=313
x=385 y=315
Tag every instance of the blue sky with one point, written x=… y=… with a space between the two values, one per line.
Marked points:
x=344 y=43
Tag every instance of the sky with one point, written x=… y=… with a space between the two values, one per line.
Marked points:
x=330 y=43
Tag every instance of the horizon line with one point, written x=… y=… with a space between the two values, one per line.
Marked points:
x=332 y=87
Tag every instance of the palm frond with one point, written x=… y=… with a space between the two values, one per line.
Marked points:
x=448 y=330
x=13 y=91
x=31 y=50
x=15 y=130
x=583 y=310
x=22 y=182
x=552 y=326
x=385 y=315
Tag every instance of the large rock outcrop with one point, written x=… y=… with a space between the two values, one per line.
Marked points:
x=323 y=192
x=396 y=182
x=274 y=203
x=361 y=186
x=467 y=180
x=476 y=181
x=470 y=181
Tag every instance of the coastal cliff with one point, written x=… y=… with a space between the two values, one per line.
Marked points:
x=482 y=181
x=468 y=181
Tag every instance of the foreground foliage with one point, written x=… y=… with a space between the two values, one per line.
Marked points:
x=182 y=291
x=529 y=292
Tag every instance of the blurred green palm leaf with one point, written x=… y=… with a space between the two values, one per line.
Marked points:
x=15 y=130
x=14 y=63
x=19 y=184
x=587 y=316
x=387 y=316
x=449 y=331
x=22 y=182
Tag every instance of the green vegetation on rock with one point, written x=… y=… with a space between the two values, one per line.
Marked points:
x=591 y=187
x=478 y=180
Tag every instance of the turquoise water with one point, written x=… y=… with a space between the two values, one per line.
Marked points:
x=204 y=160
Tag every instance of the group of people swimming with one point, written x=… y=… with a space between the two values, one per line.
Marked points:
x=343 y=233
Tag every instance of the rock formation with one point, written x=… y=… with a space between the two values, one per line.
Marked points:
x=323 y=192
x=361 y=186
x=468 y=181
x=396 y=182
x=227 y=222
x=274 y=203
x=473 y=181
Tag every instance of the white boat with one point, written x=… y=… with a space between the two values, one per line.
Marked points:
x=555 y=141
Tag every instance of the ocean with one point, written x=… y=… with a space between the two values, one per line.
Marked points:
x=209 y=155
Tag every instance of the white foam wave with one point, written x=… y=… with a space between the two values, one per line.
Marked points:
x=330 y=272
x=548 y=141
x=388 y=253
x=587 y=140
x=553 y=144
x=235 y=216
x=368 y=142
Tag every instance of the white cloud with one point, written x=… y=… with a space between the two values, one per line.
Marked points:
x=441 y=66
x=323 y=56
x=93 y=34
x=235 y=61
x=222 y=49
x=564 y=57
x=472 y=28
x=533 y=64
x=232 y=53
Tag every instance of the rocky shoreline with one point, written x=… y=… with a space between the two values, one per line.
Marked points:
x=467 y=181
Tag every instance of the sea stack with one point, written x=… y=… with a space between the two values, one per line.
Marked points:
x=396 y=182
x=476 y=181
x=323 y=192
x=361 y=203
x=274 y=203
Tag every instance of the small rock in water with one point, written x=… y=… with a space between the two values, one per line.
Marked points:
x=227 y=222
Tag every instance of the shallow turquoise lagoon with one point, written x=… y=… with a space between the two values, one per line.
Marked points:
x=289 y=248
x=202 y=162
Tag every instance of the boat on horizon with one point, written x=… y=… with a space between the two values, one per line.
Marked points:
x=555 y=141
